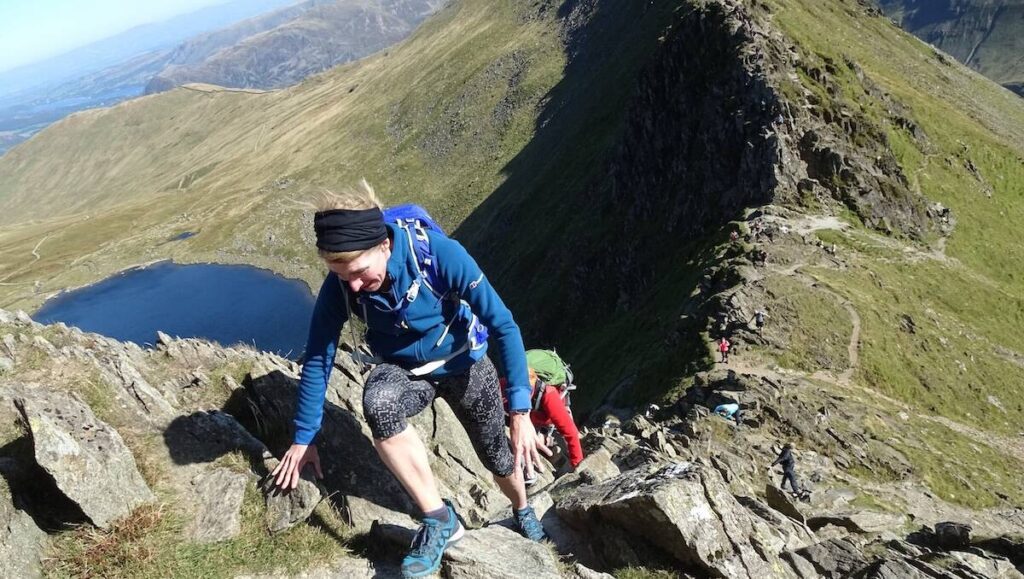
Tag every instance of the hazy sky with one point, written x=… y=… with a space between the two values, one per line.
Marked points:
x=32 y=30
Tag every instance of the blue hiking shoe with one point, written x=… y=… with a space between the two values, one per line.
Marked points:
x=528 y=525
x=429 y=544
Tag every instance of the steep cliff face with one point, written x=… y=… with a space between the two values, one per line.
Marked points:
x=726 y=114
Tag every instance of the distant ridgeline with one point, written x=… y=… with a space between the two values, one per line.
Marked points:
x=987 y=35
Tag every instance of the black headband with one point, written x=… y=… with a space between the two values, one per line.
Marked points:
x=349 y=229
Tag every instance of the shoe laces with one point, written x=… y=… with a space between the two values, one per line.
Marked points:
x=426 y=537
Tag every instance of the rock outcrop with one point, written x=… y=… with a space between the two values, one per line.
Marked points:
x=21 y=541
x=658 y=490
x=684 y=510
x=85 y=456
x=219 y=494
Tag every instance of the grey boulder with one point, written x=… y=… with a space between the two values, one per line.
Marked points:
x=87 y=459
x=21 y=542
x=219 y=495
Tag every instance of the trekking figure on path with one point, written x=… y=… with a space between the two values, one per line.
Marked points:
x=428 y=309
x=759 y=317
x=729 y=411
x=785 y=459
x=723 y=348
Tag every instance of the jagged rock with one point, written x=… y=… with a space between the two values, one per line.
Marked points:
x=586 y=573
x=783 y=502
x=833 y=558
x=286 y=509
x=491 y=552
x=203 y=437
x=985 y=566
x=163 y=339
x=361 y=514
x=6 y=364
x=682 y=509
x=352 y=466
x=497 y=552
x=85 y=456
x=134 y=391
x=599 y=465
x=953 y=535
x=10 y=345
x=893 y=569
x=858 y=522
x=6 y=317
x=22 y=317
x=21 y=542
x=219 y=495
x=44 y=345
x=639 y=426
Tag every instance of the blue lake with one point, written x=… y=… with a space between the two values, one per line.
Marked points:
x=225 y=303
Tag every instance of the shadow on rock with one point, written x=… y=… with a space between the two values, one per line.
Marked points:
x=34 y=491
x=257 y=422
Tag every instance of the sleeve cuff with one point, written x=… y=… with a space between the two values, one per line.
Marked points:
x=519 y=401
x=304 y=436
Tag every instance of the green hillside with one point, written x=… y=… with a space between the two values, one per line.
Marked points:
x=595 y=157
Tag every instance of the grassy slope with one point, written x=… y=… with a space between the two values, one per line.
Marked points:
x=418 y=120
x=961 y=29
x=959 y=358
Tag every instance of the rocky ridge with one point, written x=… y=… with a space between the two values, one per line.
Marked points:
x=666 y=491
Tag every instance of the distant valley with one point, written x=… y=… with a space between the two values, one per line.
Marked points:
x=986 y=35
x=242 y=49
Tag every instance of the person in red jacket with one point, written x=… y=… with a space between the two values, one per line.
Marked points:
x=723 y=348
x=549 y=409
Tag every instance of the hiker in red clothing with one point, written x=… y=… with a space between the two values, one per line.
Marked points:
x=551 y=381
x=723 y=347
x=549 y=409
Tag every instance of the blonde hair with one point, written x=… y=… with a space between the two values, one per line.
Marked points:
x=360 y=196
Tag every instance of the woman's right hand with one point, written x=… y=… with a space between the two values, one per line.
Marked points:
x=290 y=468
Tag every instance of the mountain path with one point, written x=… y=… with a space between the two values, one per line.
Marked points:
x=1014 y=446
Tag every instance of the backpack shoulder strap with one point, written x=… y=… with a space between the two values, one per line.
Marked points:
x=426 y=262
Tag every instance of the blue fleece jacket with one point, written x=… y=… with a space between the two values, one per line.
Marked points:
x=421 y=338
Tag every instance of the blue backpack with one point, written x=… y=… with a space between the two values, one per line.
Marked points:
x=415 y=221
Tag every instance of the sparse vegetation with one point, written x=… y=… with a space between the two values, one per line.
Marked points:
x=644 y=573
x=148 y=543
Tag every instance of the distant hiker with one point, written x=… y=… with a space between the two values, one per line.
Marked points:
x=728 y=410
x=759 y=317
x=723 y=348
x=652 y=411
x=760 y=257
x=785 y=459
x=427 y=309
x=722 y=320
x=734 y=235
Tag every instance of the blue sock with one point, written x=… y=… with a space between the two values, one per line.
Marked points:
x=523 y=511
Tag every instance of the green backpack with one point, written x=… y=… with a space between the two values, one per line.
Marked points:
x=552 y=370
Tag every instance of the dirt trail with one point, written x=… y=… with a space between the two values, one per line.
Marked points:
x=808 y=224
